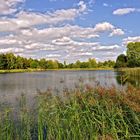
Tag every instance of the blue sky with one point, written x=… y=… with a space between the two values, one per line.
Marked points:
x=68 y=30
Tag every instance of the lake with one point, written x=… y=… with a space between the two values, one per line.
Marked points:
x=12 y=85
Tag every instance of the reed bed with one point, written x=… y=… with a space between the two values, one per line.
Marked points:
x=81 y=114
x=132 y=71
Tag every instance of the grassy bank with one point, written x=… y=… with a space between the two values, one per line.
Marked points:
x=131 y=71
x=82 y=114
x=20 y=70
x=37 y=70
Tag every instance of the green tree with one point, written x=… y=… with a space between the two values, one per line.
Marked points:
x=109 y=64
x=77 y=64
x=20 y=63
x=43 y=63
x=71 y=65
x=92 y=63
x=121 y=61
x=60 y=65
x=3 y=61
x=11 y=60
x=34 y=64
x=52 y=64
x=133 y=54
x=84 y=65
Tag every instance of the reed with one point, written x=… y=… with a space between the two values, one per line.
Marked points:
x=132 y=71
x=82 y=114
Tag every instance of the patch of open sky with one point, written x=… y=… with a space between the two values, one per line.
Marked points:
x=2 y=34
x=3 y=16
x=87 y=40
x=44 y=25
x=49 y=5
x=104 y=38
x=41 y=26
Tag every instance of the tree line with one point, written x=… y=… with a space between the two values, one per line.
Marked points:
x=132 y=57
x=10 y=61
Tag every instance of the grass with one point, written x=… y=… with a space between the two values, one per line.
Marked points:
x=84 y=113
x=38 y=70
x=131 y=71
x=20 y=70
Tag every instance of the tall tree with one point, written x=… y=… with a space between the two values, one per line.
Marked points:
x=121 y=61
x=92 y=63
x=133 y=54
x=11 y=60
x=43 y=63
x=3 y=61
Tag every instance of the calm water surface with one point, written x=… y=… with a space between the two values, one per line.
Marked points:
x=13 y=85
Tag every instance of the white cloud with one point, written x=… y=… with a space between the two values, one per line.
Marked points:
x=85 y=54
x=66 y=42
x=109 y=47
x=53 y=55
x=13 y=50
x=105 y=5
x=105 y=26
x=124 y=11
x=25 y=19
x=117 y=32
x=9 y=6
x=82 y=5
x=131 y=39
x=55 y=40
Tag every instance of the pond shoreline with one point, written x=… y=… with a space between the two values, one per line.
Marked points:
x=67 y=69
x=45 y=70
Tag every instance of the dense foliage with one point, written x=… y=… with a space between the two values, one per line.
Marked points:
x=10 y=61
x=132 y=58
x=85 y=113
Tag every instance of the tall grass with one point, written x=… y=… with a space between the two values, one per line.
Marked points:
x=82 y=114
x=132 y=71
x=129 y=75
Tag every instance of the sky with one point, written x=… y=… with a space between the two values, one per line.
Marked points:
x=68 y=30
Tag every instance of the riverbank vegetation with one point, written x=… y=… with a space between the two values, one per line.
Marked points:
x=132 y=57
x=84 y=113
x=131 y=71
x=10 y=62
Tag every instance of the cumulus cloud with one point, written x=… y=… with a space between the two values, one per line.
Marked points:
x=124 y=11
x=55 y=40
x=66 y=42
x=9 y=6
x=105 y=26
x=131 y=39
x=26 y=19
x=117 y=32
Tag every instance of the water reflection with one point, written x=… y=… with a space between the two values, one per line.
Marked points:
x=123 y=79
x=13 y=85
